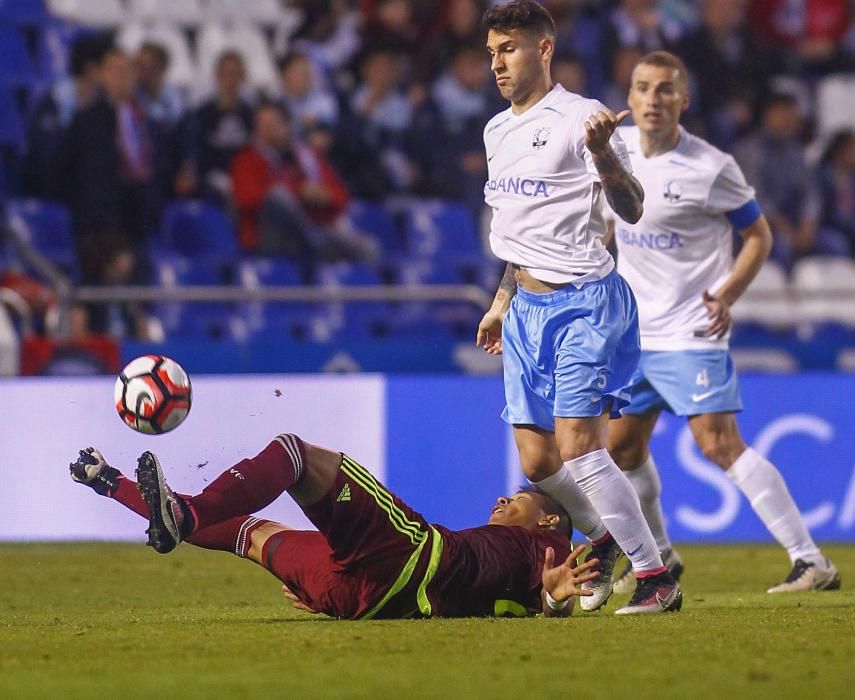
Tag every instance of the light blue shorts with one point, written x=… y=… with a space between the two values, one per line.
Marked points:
x=569 y=353
x=685 y=383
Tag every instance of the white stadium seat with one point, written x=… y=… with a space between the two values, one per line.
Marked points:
x=259 y=11
x=182 y=69
x=834 y=101
x=846 y=360
x=767 y=300
x=825 y=290
x=94 y=13
x=244 y=38
x=766 y=360
x=188 y=13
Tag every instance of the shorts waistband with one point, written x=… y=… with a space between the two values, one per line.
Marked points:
x=559 y=295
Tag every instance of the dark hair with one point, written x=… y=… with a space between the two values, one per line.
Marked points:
x=276 y=106
x=524 y=15
x=86 y=50
x=666 y=59
x=231 y=55
x=291 y=57
x=159 y=52
x=779 y=99
x=836 y=143
x=551 y=507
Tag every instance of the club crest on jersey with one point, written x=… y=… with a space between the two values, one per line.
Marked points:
x=541 y=136
x=673 y=191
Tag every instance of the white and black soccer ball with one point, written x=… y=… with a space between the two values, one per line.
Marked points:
x=153 y=394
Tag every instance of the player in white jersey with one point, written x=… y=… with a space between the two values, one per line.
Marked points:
x=563 y=319
x=678 y=260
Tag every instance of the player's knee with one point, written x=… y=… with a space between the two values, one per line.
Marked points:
x=721 y=449
x=628 y=454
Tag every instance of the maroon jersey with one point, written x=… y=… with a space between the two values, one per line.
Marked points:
x=492 y=570
x=375 y=557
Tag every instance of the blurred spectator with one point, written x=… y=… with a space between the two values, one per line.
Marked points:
x=55 y=109
x=391 y=26
x=451 y=162
x=580 y=34
x=289 y=199
x=162 y=102
x=641 y=25
x=837 y=186
x=461 y=26
x=773 y=161
x=807 y=35
x=222 y=126
x=308 y=103
x=730 y=69
x=616 y=91
x=382 y=113
x=109 y=166
x=328 y=34
x=569 y=72
x=9 y=345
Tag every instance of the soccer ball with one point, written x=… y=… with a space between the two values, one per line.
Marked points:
x=153 y=394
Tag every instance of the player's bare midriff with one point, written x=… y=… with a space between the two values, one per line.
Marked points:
x=531 y=284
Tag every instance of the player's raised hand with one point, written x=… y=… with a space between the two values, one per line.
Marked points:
x=490 y=333
x=296 y=602
x=599 y=128
x=718 y=311
x=566 y=579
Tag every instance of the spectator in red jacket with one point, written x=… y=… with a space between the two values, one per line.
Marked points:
x=289 y=199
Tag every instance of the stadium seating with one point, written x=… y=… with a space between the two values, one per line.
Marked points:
x=377 y=221
x=199 y=230
x=16 y=65
x=94 y=13
x=436 y=227
x=47 y=228
x=825 y=287
x=182 y=69
x=23 y=12
x=240 y=36
x=11 y=124
x=768 y=300
x=193 y=319
x=258 y=11
x=187 y=13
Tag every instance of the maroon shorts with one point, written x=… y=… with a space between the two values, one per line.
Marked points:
x=366 y=538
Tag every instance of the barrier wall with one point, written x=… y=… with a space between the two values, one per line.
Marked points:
x=437 y=441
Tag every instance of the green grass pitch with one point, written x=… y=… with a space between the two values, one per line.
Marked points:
x=118 y=621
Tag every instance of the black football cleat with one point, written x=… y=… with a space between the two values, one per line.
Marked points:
x=166 y=516
x=654 y=594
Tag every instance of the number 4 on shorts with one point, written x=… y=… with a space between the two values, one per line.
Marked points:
x=702 y=379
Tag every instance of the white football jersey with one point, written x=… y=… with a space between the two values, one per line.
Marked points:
x=683 y=243
x=544 y=190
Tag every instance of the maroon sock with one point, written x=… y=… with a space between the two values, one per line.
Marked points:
x=128 y=494
x=232 y=535
x=251 y=484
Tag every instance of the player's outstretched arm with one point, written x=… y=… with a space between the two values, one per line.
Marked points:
x=623 y=191
x=489 y=334
x=757 y=244
x=562 y=583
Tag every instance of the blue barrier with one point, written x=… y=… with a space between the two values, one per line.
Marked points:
x=449 y=454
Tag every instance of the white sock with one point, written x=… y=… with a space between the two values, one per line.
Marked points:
x=645 y=481
x=770 y=498
x=563 y=488
x=614 y=499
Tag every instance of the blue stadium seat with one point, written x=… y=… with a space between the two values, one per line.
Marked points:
x=16 y=66
x=11 y=124
x=46 y=226
x=199 y=230
x=277 y=320
x=375 y=220
x=435 y=229
x=194 y=319
x=24 y=12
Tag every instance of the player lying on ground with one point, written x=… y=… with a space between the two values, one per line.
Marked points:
x=373 y=556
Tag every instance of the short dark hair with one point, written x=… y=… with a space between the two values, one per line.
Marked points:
x=524 y=15
x=159 y=51
x=87 y=50
x=551 y=507
x=666 y=59
x=287 y=59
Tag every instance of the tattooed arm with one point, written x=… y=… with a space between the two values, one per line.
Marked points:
x=623 y=192
x=490 y=329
